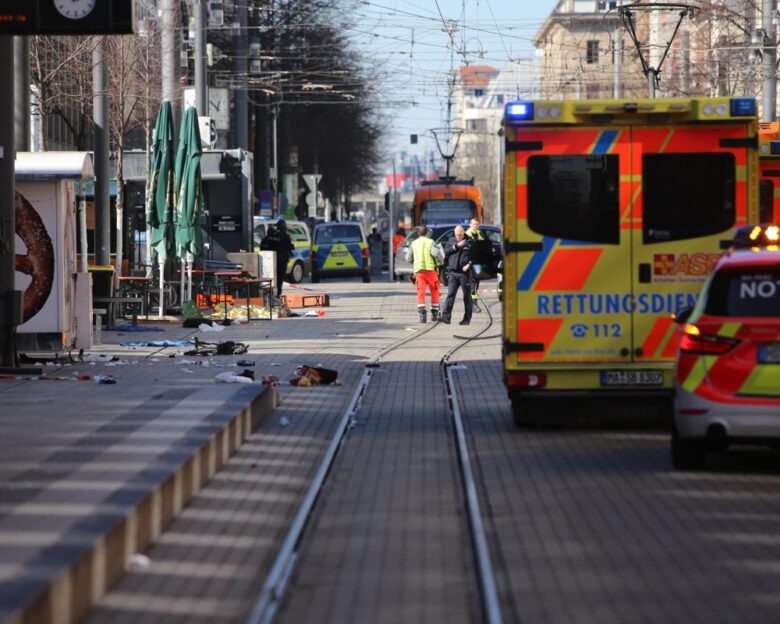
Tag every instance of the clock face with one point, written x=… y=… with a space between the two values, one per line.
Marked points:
x=74 y=9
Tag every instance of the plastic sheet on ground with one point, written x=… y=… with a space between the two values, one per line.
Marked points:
x=158 y=343
x=231 y=378
x=240 y=312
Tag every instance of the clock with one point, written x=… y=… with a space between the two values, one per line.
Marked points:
x=74 y=9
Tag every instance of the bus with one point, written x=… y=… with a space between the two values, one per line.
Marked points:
x=615 y=213
x=447 y=200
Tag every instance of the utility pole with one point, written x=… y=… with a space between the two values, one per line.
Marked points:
x=102 y=197
x=617 y=90
x=170 y=27
x=22 y=94
x=201 y=84
x=10 y=298
x=769 y=56
x=240 y=102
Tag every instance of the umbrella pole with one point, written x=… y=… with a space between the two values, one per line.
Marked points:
x=162 y=284
x=183 y=273
x=189 y=276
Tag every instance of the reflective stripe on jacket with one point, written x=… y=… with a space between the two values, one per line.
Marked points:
x=423 y=255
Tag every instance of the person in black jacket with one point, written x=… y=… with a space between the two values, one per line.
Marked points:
x=457 y=255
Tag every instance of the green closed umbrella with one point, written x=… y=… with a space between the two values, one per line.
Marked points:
x=189 y=212
x=161 y=198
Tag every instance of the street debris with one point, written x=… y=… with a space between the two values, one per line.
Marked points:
x=313 y=376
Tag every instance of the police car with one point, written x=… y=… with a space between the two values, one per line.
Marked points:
x=339 y=249
x=727 y=372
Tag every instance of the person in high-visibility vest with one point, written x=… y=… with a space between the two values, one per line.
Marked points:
x=475 y=235
x=425 y=255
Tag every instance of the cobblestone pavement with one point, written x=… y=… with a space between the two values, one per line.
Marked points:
x=586 y=522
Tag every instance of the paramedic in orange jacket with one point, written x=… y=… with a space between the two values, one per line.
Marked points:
x=425 y=256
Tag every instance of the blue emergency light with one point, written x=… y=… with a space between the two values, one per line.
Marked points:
x=520 y=111
x=743 y=107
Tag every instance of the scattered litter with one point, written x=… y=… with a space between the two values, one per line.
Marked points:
x=134 y=328
x=154 y=359
x=104 y=379
x=248 y=373
x=187 y=370
x=231 y=378
x=275 y=364
x=211 y=328
x=270 y=380
x=245 y=363
x=312 y=313
x=185 y=361
x=283 y=421
x=139 y=561
x=313 y=376
x=158 y=343
x=100 y=357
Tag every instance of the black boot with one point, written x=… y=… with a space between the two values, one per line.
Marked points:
x=421 y=312
x=434 y=314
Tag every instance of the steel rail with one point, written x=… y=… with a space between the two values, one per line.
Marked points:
x=270 y=595
x=491 y=608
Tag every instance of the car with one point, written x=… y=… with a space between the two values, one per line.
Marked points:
x=441 y=233
x=339 y=249
x=299 y=265
x=727 y=371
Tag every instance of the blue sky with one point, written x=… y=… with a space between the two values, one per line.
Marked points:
x=407 y=46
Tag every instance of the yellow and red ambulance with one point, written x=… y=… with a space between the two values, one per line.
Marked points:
x=769 y=171
x=615 y=212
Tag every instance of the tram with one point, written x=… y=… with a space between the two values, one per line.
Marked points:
x=447 y=200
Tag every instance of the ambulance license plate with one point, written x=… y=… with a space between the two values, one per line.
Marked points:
x=769 y=354
x=632 y=378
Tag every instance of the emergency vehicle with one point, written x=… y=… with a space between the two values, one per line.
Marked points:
x=769 y=171
x=447 y=200
x=615 y=212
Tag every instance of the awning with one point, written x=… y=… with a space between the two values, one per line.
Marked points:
x=37 y=165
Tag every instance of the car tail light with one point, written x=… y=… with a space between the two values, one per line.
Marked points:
x=313 y=255
x=694 y=411
x=364 y=252
x=526 y=380
x=693 y=341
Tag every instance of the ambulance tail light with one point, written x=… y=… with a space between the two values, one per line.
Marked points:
x=693 y=341
x=525 y=380
x=520 y=111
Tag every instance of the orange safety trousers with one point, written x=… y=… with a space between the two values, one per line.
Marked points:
x=429 y=279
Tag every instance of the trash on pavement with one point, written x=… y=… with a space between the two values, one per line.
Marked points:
x=245 y=363
x=270 y=380
x=283 y=421
x=99 y=357
x=139 y=561
x=313 y=376
x=104 y=379
x=211 y=328
x=231 y=378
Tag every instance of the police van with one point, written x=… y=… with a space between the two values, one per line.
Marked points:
x=299 y=265
x=615 y=212
x=340 y=249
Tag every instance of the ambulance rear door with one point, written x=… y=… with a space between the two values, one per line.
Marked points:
x=569 y=261
x=693 y=190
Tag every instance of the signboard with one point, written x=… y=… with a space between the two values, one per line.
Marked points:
x=226 y=223
x=266 y=203
x=66 y=17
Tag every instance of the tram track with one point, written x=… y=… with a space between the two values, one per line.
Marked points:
x=273 y=589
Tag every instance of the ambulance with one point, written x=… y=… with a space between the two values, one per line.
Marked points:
x=615 y=212
x=769 y=171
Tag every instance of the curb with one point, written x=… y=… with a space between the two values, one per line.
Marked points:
x=98 y=566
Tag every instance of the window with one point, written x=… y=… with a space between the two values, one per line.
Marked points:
x=298 y=233
x=746 y=292
x=687 y=195
x=592 y=90
x=339 y=234
x=575 y=197
x=592 y=55
x=479 y=92
x=766 y=192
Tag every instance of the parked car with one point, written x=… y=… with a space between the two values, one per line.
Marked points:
x=441 y=233
x=727 y=373
x=340 y=249
x=299 y=265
